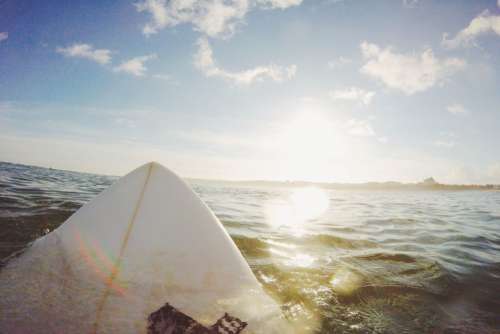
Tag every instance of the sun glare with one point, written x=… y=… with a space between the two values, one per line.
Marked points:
x=309 y=203
x=297 y=208
x=305 y=146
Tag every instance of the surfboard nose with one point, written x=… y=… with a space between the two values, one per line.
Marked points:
x=151 y=164
x=157 y=164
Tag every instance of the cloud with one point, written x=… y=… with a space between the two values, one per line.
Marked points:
x=362 y=128
x=205 y=62
x=215 y=18
x=447 y=140
x=86 y=51
x=482 y=24
x=135 y=66
x=457 y=109
x=353 y=94
x=3 y=36
x=339 y=62
x=280 y=4
x=410 y=3
x=409 y=73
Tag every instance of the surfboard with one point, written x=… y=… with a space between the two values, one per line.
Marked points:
x=145 y=241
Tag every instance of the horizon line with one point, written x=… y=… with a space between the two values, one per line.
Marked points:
x=400 y=183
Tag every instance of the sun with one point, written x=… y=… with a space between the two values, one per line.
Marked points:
x=305 y=145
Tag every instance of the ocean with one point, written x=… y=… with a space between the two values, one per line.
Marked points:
x=337 y=261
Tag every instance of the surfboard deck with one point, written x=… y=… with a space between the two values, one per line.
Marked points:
x=145 y=241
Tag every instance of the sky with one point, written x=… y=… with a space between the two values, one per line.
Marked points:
x=315 y=90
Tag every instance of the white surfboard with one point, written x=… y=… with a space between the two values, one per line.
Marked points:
x=145 y=241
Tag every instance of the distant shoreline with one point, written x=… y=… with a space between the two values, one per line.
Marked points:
x=390 y=185
x=427 y=184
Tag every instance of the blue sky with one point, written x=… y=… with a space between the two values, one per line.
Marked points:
x=323 y=90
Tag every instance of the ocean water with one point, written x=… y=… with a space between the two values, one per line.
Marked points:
x=336 y=261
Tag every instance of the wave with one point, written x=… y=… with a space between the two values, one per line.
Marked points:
x=335 y=241
x=419 y=264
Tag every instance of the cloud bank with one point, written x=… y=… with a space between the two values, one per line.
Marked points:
x=409 y=73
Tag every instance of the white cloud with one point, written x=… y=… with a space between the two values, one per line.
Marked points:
x=445 y=143
x=410 y=3
x=456 y=109
x=353 y=94
x=446 y=140
x=409 y=73
x=281 y=4
x=482 y=24
x=101 y=56
x=205 y=62
x=215 y=18
x=3 y=36
x=358 y=127
x=339 y=62
x=135 y=66
x=158 y=11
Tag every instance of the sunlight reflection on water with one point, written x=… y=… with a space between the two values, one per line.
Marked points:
x=337 y=261
x=296 y=209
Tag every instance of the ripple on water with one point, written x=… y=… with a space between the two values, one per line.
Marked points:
x=373 y=262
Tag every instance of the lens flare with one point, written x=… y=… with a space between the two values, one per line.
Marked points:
x=101 y=264
x=345 y=282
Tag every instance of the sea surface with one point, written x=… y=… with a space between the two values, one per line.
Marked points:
x=336 y=261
